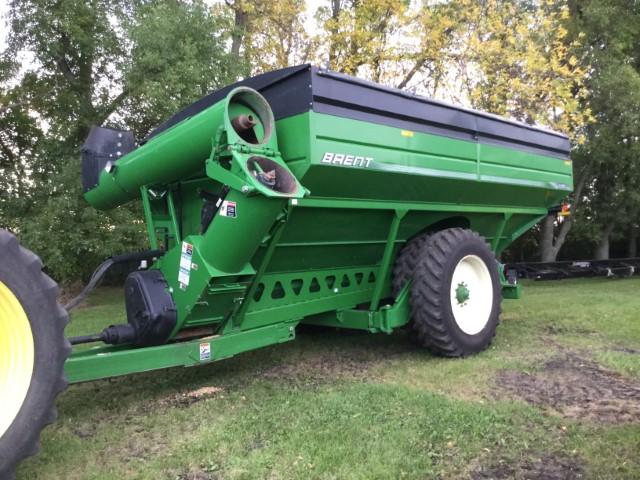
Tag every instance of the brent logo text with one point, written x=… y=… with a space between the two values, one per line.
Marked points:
x=346 y=160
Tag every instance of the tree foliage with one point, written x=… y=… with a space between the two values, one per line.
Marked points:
x=128 y=64
x=524 y=67
x=269 y=34
x=606 y=164
x=390 y=41
x=178 y=53
x=572 y=65
x=508 y=57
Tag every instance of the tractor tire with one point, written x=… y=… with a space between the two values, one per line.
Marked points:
x=405 y=263
x=455 y=294
x=33 y=350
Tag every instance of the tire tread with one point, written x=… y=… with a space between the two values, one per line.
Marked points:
x=48 y=289
x=427 y=291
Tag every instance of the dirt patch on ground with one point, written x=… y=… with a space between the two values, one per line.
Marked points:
x=197 y=475
x=317 y=367
x=84 y=430
x=559 y=330
x=297 y=367
x=185 y=399
x=576 y=388
x=203 y=472
x=543 y=468
x=630 y=351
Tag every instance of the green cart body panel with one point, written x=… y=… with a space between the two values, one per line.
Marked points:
x=361 y=169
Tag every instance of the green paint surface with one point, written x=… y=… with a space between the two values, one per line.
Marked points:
x=462 y=293
x=318 y=248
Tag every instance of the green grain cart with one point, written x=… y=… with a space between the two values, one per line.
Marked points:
x=297 y=196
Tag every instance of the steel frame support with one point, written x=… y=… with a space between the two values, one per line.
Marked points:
x=414 y=206
x=386 y=319
x=148 y=218
x=239 y=315
x=171 y=208
x=387 y=258
x=105 y=362
x=511 y=291
x=495 y=243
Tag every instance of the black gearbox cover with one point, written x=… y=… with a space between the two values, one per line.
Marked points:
x=150 y=307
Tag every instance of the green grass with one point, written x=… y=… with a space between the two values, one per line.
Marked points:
x=341 y=405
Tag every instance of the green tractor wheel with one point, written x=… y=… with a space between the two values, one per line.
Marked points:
x=33 y=350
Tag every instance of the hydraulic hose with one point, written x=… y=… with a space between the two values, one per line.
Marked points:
x=98 y=274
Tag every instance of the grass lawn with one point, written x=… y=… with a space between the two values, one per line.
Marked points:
x=557 y=396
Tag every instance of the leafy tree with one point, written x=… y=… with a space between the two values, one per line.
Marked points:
x=178 y=54
x=19 y=135
x=507 y=57
x=78 y=55
x=605 y=166
x=519 y=64
x=269 y=34
x=131 y=64
x=390 y=41
x=127 y=64
x=362 y=33
x=76 y=58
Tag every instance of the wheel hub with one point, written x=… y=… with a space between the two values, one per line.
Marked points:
x=462 y=293
x=16 y=357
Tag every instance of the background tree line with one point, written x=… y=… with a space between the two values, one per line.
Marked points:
x=571 y=65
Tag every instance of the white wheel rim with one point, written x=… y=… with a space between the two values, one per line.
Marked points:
x=471 y=294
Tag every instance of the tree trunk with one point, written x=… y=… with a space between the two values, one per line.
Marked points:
x=602 y=250
x=632 y=246
x=550 y=244
x=240 y=25
x=336 y=7
x=547 y=252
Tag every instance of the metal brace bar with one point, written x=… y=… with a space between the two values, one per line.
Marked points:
x=174 y=218
x=240 y=313
x=498 y=236
x=146 y=207
x=385 y=266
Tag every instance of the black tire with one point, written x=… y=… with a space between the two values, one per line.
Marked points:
x=432 y=310
x=406 y=261
x=21 y=273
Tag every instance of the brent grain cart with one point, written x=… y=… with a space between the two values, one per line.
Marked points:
x=297 y=196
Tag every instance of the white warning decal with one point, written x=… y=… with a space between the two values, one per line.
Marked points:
x=228 y=209
x=184 y=273
x=205 y=352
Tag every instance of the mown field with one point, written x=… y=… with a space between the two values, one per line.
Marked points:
x=557 y=396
